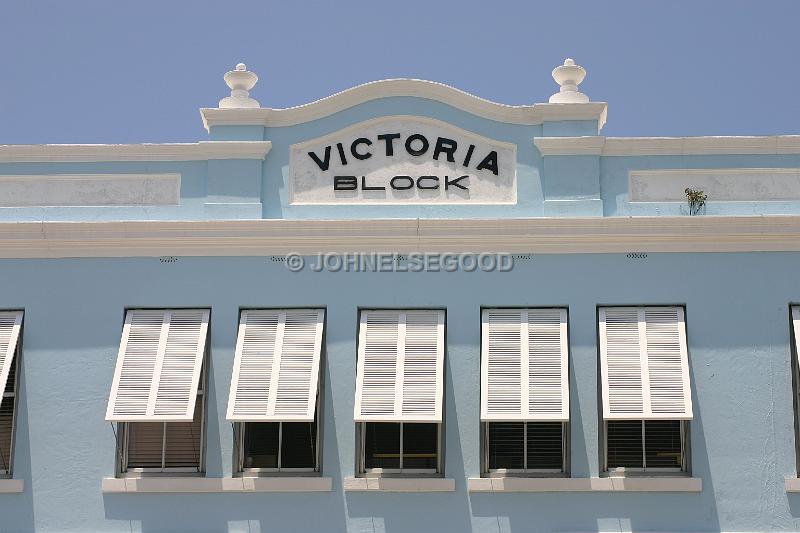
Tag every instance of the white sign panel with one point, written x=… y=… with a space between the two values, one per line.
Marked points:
x=403 y=160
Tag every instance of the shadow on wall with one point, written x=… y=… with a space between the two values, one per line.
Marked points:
x=419 y=512
x=16 y=510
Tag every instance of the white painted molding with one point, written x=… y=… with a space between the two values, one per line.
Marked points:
x=275 y=237
x=720 y=184
x=792 y=484
x=227 y=484
x=52 y=190
x=594 y=484
x=640 y=146
x=519 y=114
x=89 y=153
x=590 y=145
x=396 y=484
x=12 y=486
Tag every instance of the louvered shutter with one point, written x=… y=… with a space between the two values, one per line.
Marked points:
x=524 y=362
x=158 y=365
x=400 y=366
x=644 y=363
x=10 y=324
x=796 y=328
x=276 y=366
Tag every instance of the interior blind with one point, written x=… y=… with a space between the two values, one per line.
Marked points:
x=10 y=324
x=158 y=365
x=524 y=364
x=400 y=366
x=276 y=366
x=644 y=363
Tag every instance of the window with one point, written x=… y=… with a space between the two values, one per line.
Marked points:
x=274 y=398
x=646 y=445
x=795 y=334
x=647 y=402
x=524 y=391
x=399 y=390
x=10 y=327
x=158 y=393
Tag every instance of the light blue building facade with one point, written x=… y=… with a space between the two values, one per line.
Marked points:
x=90 y=234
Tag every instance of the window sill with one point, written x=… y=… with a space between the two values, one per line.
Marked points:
x=399 y=484
x=792 y=484
x=12 y=486
x=593 y=484
x=226 y=484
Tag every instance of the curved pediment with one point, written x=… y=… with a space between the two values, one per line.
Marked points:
x=511 y=114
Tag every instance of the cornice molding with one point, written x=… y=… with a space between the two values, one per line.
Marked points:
x=641 y=146
x=277 y=237
x=511 y=114
x=89 y=153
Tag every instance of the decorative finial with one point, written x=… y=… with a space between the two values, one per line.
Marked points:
x=240 y=81
x=569 y=76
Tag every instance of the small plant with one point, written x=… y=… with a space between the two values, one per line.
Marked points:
x=697 y=200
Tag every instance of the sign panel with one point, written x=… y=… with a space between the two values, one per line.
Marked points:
x=403 y=160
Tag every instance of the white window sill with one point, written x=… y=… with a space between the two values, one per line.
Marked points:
x=399 y=484
x=11 y=486
x=226 y=484
x=792 y=484
x=593 y=484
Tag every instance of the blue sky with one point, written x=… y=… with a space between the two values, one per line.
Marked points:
x=116 y=72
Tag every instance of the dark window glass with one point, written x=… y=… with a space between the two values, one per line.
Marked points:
x=261 y=445
x=7 y=419
x=381 y=445
x=420 y=443
x=545 y=445
x=506 y=445
x=299 y=445
x=6 y=427
x=663 y=443
x=624 y=444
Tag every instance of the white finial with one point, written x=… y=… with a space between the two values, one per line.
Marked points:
x=240 y=81
x=569 y=76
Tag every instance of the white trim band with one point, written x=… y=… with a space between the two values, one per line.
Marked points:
x=12 y=486
x=397 y=484
x=513 y=235
x=594 y=484
x=226 y=484
x=510 y=114
x=91 y=153
x=639 y=146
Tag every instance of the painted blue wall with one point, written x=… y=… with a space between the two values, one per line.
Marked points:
x=742 y=439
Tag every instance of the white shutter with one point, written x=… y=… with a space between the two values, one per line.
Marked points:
x=276 y=366
x=644 y=363
x=524 y=363
x=158 y=365
x=10 y=324
x=400 y=366
x=796 y=327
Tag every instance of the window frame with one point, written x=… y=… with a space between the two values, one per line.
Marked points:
x=525 y=472
x=686 y=441
x=795 y=366
x=123 y=434
x=360 y=427
x=17 y=365
x=644 y=471
x=239 y=451
x=363 y=471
